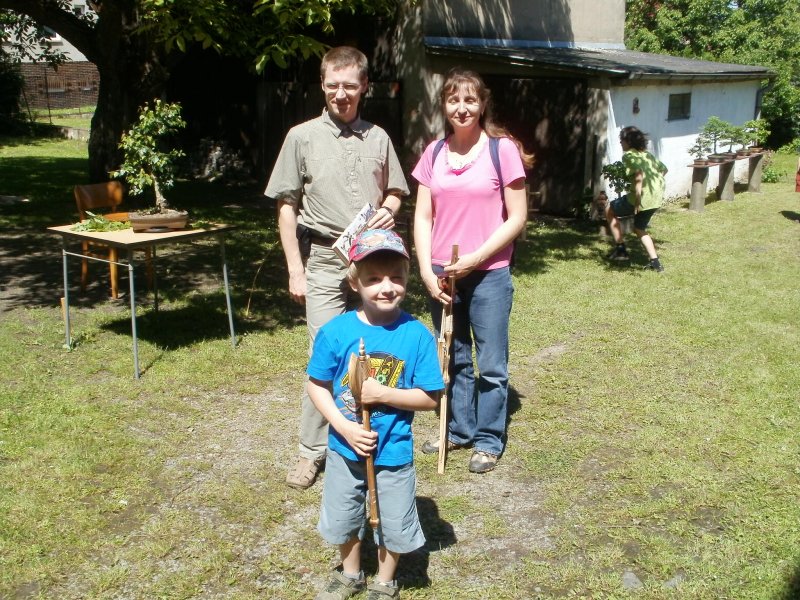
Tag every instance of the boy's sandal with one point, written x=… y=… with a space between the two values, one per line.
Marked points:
x=304 y=473
x=433 y=447
x=381 y=591
x=341 y=587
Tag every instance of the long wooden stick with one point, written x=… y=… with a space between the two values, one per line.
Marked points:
x=445 y=339
x=358 y=372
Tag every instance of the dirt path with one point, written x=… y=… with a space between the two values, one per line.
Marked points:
x=219 y=495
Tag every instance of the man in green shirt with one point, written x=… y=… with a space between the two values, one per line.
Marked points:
x=327 y=170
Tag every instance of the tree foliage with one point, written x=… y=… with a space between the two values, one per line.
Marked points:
x=258 y=31
x=755 y=32
x=135 y=43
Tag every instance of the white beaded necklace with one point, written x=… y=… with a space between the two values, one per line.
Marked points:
x=459 y=161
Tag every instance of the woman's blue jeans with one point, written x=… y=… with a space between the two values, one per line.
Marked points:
x=479 y=406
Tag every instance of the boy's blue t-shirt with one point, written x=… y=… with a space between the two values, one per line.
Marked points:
x=402 y=355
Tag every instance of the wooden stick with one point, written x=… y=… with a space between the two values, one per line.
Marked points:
x=445 y=339
x=358 y=372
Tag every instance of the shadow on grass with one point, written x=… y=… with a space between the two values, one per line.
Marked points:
x=514 y=402
x=203 y=317
x=792 y=591
x=47 y=183
x=412 y=570
x=791 y=215
x=549 y=240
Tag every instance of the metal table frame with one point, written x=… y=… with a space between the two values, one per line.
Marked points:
x=129 y=241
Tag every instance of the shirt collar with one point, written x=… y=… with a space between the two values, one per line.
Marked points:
x=357 y=127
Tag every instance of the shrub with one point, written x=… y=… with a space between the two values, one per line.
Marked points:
x=792 y=147
x=769 y=173
x=617 y=176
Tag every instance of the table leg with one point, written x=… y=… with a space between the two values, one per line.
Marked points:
x=725 y=188
x=755 y=172
x=227 y=288
x=131 y=278
x=697 y=200
x=68 y=334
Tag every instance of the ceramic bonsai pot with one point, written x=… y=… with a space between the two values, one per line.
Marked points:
x=166 y=221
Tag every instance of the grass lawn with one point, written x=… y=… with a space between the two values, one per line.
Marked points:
x=79 y=118
x=653 y=448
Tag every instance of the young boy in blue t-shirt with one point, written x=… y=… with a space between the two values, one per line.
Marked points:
x=404 y=377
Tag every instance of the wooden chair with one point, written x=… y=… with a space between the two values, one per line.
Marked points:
x=107 y=197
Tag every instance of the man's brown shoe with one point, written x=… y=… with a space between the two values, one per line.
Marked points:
x=304 y=473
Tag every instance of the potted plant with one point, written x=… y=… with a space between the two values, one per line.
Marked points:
x=701 y=150
x=740 y=138
x=716 y=131
x=146 y=164
x=735 y=136
x=756 y=132
x=617 y=176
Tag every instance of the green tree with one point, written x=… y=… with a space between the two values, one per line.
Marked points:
x=760 y=32
x=135 y=43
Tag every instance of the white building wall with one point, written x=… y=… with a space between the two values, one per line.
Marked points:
x=58 y=43
x=670 y=140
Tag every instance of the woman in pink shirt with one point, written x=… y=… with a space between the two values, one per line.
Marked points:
x=460 y=201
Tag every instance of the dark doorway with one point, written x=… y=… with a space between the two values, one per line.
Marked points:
x=549 y=117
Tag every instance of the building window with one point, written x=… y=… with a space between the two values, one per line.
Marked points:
x=56 y=85
x=50 y=35
x=680 y=106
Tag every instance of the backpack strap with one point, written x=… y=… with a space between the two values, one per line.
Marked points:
x=494 y=152
x=436 y=149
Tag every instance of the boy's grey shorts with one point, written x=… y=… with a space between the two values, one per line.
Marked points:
x=343 y=513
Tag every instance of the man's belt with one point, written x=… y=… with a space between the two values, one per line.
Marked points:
x=322 y=241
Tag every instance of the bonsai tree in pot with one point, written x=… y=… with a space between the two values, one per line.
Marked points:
x=756 y=132
x=701 y=149
x=735 y=136
x=716 y=131
x=146 y=164
x=739 y=137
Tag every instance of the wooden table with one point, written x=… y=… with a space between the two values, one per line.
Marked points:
x=129 y=241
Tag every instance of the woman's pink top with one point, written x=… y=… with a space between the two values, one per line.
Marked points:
x=467 y=206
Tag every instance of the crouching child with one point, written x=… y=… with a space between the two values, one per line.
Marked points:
x=404 y=377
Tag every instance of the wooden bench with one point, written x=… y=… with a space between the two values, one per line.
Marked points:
x=697 y=196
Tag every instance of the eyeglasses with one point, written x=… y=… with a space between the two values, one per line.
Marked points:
x=333 y=88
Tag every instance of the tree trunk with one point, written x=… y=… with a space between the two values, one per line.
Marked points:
x=161 y=201
x=132 y=71
x=121 y=92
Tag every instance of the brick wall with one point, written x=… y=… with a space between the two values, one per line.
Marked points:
x=74 y=84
